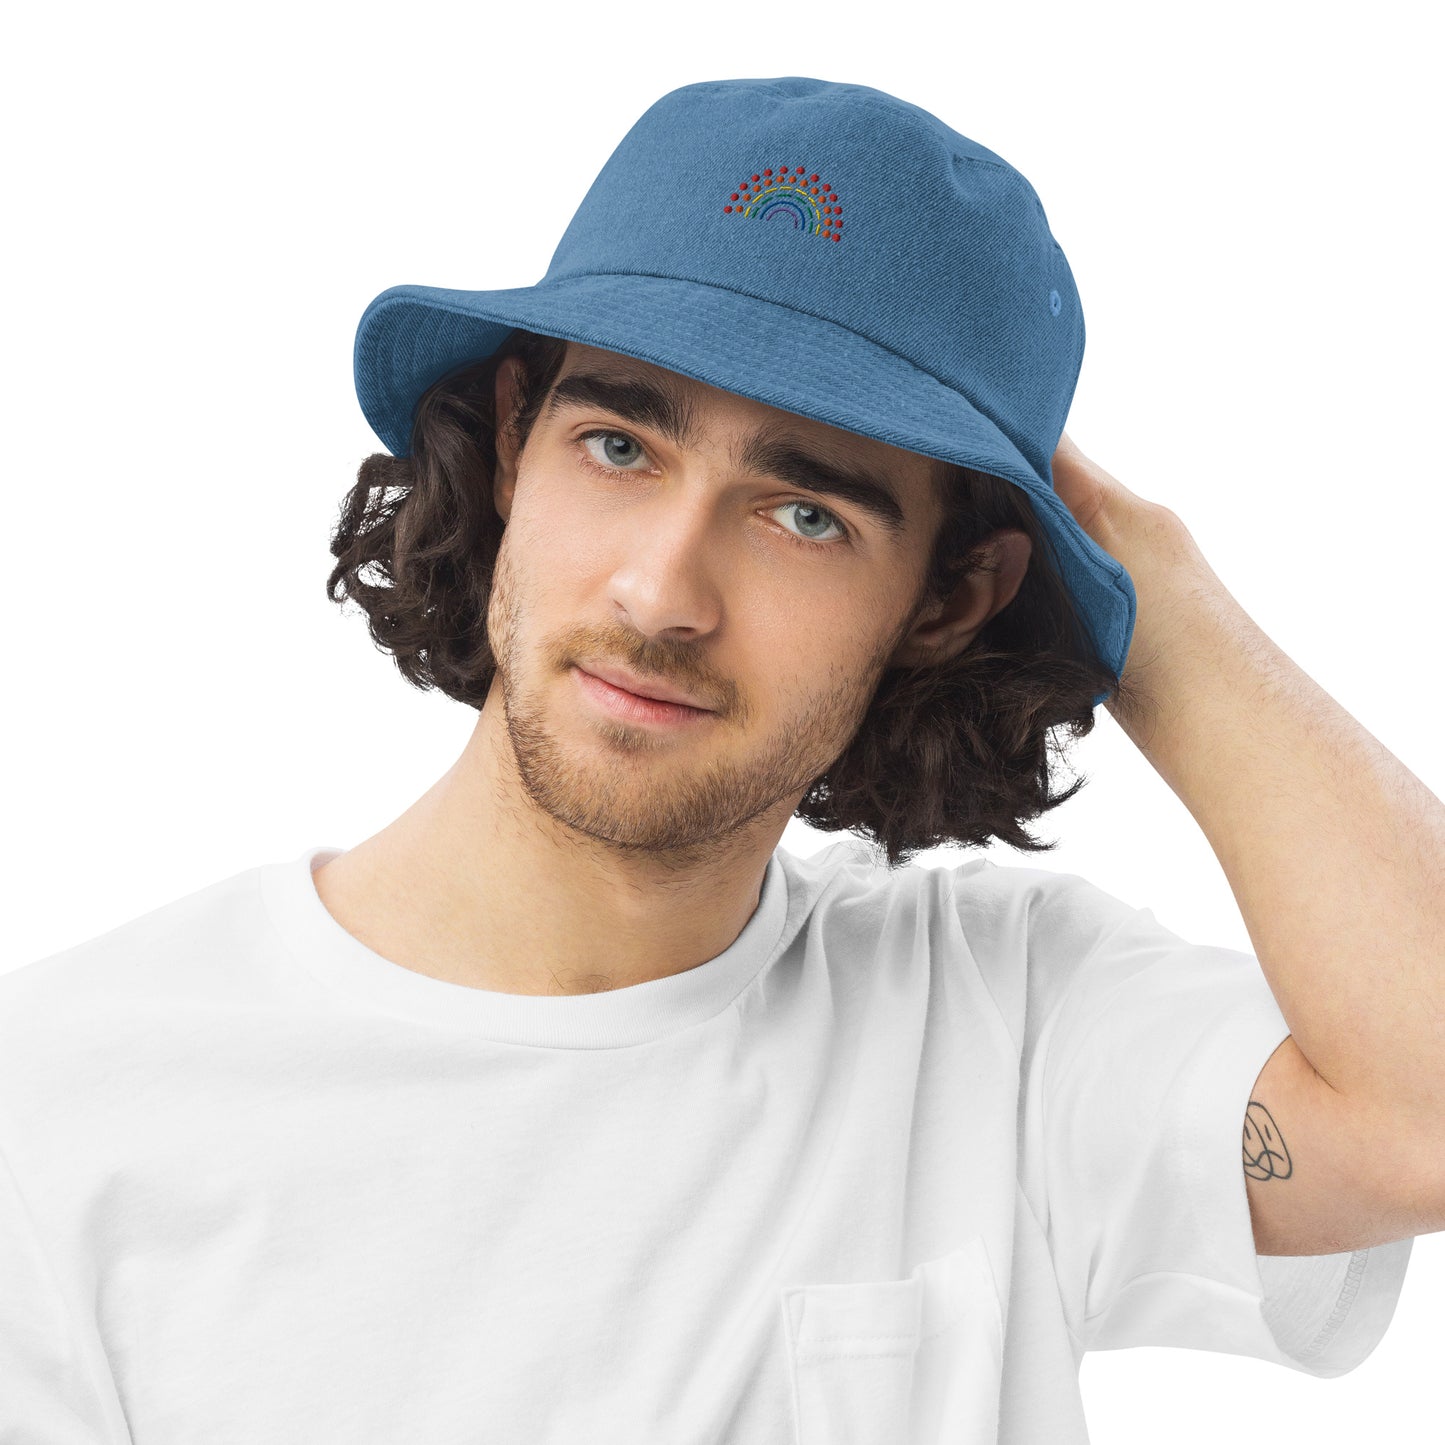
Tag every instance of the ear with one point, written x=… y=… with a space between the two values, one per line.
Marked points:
x=505 y=395
x=947 y=628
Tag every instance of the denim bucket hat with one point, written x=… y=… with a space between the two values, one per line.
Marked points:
x=824 y=248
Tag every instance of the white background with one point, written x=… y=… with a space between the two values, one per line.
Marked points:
x=202 y=202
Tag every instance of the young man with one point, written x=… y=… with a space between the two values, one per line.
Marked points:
x=570 y=1105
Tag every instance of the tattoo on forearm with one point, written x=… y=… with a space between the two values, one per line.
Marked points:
x=1265 y=1155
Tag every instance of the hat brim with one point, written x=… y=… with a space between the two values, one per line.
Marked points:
x=411 y=336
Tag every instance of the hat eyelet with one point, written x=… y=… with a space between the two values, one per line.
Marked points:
x=1056 y=303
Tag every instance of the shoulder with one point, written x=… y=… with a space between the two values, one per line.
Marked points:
x=85 y=993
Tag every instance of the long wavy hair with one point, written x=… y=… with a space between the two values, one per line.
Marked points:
x=951 y=753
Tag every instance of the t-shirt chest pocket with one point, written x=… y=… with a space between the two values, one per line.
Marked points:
x=914 y=1361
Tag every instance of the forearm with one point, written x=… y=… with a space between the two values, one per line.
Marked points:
x=1334 y=850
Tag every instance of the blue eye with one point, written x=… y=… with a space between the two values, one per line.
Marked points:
x=612 y=436
x=610 y=467
x=822 y=512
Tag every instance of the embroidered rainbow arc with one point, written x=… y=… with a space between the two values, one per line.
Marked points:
x=783 y=195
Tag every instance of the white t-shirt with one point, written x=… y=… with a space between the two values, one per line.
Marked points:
x=879 y=1172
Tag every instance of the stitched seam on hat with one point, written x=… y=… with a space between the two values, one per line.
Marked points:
x=784 y=306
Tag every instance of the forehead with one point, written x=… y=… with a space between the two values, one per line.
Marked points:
x=700 y=397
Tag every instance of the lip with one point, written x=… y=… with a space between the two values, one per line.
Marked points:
x=619 y=677
x=631 y=707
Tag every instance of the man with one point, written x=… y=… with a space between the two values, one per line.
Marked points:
x=569 y=1105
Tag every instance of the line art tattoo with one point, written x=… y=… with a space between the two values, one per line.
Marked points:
x=1265 y=1155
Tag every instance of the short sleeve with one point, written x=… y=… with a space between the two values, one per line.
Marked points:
x=1137 y=1088
x=48 y=1395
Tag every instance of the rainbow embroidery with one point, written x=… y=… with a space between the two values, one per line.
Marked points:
x=782 y=195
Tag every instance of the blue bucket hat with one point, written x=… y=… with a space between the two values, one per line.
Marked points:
x=824 y=248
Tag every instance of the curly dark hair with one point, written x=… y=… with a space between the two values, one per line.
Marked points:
x=955 y=752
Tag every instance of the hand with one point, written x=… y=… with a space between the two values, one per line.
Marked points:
x=1099 y=501
x=1173 y=583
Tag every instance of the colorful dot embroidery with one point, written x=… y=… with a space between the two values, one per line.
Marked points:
x=810 y=203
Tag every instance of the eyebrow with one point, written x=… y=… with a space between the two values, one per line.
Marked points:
x=665 y=411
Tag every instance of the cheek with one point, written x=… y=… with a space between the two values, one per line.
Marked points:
x=559 y=528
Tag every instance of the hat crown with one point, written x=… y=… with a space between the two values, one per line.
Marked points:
x=867 y=212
